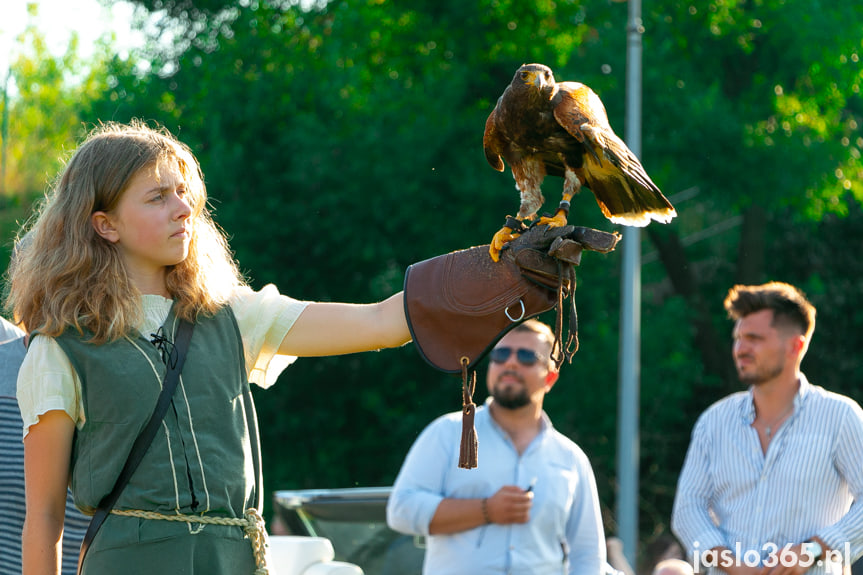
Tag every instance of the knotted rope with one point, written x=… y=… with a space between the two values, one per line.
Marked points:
x=252 y=524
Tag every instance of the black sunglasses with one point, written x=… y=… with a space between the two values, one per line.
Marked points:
x=523 y=355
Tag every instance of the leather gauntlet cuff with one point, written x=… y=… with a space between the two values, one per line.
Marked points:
x=458 y=305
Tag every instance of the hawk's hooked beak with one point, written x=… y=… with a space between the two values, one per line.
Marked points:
x=541 y=85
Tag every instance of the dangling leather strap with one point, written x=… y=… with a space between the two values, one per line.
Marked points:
x=144 y=439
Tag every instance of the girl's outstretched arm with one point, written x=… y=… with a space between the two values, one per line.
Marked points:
x=47 y=453
x=339 y=328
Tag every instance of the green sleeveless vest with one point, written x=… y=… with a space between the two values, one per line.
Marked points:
x=200 y=461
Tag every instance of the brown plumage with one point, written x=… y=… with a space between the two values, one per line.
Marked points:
x=561 y=129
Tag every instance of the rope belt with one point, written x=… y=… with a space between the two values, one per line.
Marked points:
x=252 y=524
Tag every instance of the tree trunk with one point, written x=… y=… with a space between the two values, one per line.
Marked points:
x=750 y=254
x=713 y=349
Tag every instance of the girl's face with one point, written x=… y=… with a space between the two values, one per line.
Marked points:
x=150 y=224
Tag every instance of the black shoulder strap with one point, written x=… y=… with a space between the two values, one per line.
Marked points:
x=145 y=438
x=255 y=440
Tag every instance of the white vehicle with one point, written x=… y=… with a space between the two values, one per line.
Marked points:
x=296 y=555
x=354 y=520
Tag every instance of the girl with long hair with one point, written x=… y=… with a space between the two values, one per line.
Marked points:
x=121 y=250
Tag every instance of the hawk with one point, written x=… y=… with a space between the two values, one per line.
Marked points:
x=541 y=127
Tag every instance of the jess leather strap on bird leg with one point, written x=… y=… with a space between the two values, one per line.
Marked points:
x=458 y=305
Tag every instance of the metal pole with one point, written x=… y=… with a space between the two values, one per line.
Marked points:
x=630 y=315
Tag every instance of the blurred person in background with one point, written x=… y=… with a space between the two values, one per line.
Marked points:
x=773 y=477
x=12 y=509
x=531 y=507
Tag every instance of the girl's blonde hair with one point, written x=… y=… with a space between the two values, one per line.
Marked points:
x=65 y=275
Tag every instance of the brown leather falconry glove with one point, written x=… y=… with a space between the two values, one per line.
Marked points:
x=458 y=305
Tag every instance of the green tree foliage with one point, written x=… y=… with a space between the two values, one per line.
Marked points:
x=761 y=116
x=46 y=97
x=342 y=142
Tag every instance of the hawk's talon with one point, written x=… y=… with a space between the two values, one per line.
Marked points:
x=499 y=240
x=559 y=220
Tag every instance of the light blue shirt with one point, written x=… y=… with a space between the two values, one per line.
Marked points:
x=564 y=533
x=730 y=493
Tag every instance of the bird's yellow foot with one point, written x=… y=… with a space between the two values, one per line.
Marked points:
x=560 y=216
x=501 y=238
x=559 y=220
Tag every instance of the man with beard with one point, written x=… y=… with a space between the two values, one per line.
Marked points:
x=531 y=506
x=773 y=478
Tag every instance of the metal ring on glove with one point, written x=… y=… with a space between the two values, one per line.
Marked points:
x=515 y=319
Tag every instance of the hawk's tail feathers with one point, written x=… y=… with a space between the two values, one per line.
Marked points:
x=628 y=203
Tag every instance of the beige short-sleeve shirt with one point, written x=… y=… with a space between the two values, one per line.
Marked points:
x=47 y=381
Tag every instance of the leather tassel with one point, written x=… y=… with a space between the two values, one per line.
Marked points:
x=467 y=457
x=469 y=448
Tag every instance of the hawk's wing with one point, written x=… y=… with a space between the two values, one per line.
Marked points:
x=624 y=191
x=581 y=113
x=491 y=141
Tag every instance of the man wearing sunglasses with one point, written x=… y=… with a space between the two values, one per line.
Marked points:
x=531 y=506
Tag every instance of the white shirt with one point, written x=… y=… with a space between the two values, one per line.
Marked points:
x=565 y=520
x=732 y=494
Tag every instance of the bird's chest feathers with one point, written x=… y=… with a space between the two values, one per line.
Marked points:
x=534 y=130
